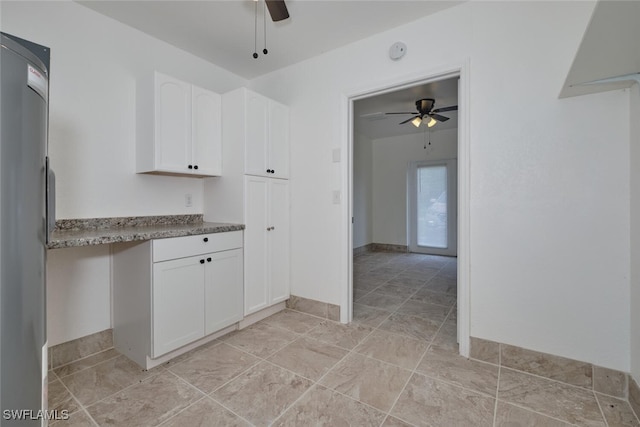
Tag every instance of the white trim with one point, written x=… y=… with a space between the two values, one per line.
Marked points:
x=457 y=69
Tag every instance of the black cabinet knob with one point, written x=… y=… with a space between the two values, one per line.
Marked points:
x=268 y=170
x=201 y=261
x=195 y=167
x=206 y=239
x=208 y=259
x=190 y=166
x=273 y=171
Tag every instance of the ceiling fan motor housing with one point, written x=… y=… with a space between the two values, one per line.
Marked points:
x=425 y=105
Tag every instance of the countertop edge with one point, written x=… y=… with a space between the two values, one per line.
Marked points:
x=92 y=237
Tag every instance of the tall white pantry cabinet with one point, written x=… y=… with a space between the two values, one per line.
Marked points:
x=254 y=186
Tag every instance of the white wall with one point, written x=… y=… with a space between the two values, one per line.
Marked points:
x=549 y=178
x=391 y=158
x=362 y=190
x=95 y=62
x=635 y=231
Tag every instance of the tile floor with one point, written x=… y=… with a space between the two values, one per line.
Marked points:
x=395 y=365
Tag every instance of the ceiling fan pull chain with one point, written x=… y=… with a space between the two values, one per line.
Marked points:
x=255 y=32
x=264 y=15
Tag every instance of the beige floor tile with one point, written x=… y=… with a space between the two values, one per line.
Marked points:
x=395 y=290
x=105 y=379
x=393 y=348
x=425 y=295
x=308 y=357
x=425 y=310
x=369 y=316
x=358 y=294
x=447 y=337
x=558 y=400
x=429 y=402
x=345 y=336
x=261 y=394
x=367 y=284
x=478 y=376
x=148 y=403
x=411 y=326
x=508 y=415
x=547 y=365
x=394 y=422
x=617 y=412
x=443 y=285
x=212 y=368
x=409 y=280
x=293 y=321
x=323 y=407
x=608 y=381
x=85 y=363
x=59 y=398
x=422 y=272
x=370 y=381
x=383 y=301
x=260 y=339
x=206 y=413
x=77 y=419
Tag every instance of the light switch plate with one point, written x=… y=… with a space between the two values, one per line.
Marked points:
x=336 y=155
x=336 y=197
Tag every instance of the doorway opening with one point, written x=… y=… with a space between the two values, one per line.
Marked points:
x=358 y=225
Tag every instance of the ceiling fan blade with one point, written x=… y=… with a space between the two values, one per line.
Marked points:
x=277 y=10
x=444 y=109
x=438 y=117
x=408 y=120
x=413 y=112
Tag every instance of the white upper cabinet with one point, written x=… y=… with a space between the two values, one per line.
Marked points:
x=178 y=129
x=266 y=137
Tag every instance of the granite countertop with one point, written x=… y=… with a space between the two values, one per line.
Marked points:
x=99 y=231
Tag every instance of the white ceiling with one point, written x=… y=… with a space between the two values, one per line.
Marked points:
x=376 y=126
x=222 y=32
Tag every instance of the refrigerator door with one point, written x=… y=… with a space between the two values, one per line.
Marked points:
x=23 y=138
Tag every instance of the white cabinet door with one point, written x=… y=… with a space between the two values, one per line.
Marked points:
x=278 y=140
x=256 y=290
x=177 y=309
x=278 y=249
x=172 y=124
x=223 y=290
x=206 y=135
x=256 y=128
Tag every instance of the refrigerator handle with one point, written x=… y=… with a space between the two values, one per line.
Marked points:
x=51 y=200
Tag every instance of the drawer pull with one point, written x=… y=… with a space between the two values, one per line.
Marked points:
x=206 y=239
x=209 y=259
x=201 y=261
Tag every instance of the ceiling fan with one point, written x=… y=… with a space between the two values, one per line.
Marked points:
x=277 y=10
x=425 y=108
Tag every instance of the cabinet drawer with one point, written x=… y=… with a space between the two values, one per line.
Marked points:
x=181 y=247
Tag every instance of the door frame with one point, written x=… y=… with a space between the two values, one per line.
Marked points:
x=458 y=69
x=452 y=208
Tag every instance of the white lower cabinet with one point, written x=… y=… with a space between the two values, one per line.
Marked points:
x=266 y=242
x=170 y=293
x=178 y=313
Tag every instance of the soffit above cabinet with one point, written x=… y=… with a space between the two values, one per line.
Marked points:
x=610 y=48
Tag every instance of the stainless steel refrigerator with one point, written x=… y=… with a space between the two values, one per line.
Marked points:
x=24 y=89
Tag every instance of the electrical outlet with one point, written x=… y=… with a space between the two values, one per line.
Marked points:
x=187 y=200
